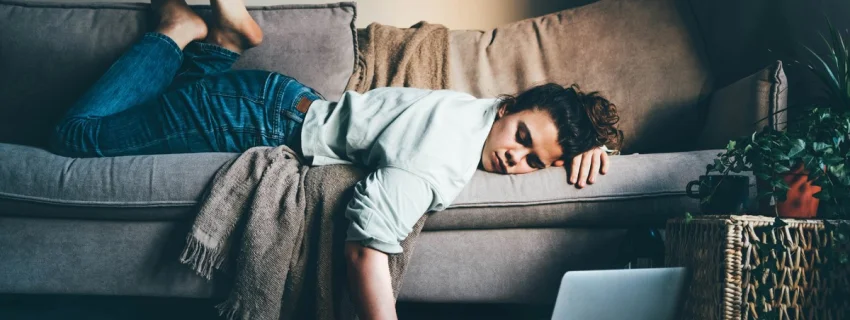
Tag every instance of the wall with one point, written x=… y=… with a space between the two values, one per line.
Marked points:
x=455 y=14
x=744 y=36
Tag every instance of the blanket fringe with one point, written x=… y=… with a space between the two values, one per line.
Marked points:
x=201 y=258
x=230 y=307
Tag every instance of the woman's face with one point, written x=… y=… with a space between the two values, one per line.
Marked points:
x=522 y=142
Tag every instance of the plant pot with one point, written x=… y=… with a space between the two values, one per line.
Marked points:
x=800 y=202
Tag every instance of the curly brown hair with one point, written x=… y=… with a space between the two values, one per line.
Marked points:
x=584 y=120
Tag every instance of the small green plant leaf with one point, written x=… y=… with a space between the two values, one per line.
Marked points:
x=797 y=146
x=832 y=160
x=827 y=77
x=808 y=159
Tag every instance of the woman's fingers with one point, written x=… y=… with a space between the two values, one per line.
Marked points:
x=586 y=162
x=595 y=167
x=574 y=168
x=586 y=166
x=605 y=162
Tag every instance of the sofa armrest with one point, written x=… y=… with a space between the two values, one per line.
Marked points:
x=735 y=110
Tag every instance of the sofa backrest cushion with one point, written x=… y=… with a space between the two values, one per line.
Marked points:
x=746 y=106
x=50 y=53
x=643 y=55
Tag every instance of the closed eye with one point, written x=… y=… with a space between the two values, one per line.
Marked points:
x=522 y=136
x=535 y=162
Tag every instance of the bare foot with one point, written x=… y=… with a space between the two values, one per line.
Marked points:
x=232 y=27
x=178 y=21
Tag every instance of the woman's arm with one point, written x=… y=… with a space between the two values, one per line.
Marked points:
x=369 y=282
x=383 y=210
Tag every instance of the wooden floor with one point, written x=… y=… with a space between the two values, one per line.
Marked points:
x=28 y=307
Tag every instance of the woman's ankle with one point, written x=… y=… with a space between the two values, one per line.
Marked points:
x=179 y=22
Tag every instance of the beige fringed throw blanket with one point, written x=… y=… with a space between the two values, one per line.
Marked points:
x=279 y=226
x=415 y=57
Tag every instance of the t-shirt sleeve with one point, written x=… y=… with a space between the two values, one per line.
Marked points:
x=385 y=207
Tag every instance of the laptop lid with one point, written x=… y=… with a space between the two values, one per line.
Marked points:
x=635 y=294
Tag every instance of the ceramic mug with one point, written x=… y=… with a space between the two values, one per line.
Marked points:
x=721 y=194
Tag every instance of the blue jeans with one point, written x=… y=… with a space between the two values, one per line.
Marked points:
x=158 y=99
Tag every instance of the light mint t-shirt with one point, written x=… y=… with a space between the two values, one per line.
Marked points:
x=422 y=147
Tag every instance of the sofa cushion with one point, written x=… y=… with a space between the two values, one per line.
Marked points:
x=640 y=54
x=38 y=183
x=746 y=106
x=639 y=189
x=141 y=259
x=52 y=52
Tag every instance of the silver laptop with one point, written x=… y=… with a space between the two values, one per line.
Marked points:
x=635 y=294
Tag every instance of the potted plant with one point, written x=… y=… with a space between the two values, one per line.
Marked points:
x=813 y=154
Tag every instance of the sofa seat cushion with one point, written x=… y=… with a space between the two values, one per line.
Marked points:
x=638 y=189
x=51 y=52
x=95 y=257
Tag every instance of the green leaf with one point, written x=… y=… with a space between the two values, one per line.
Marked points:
x=797 y=146
x=778 y=223
x=828 y=78
x=839 y=51
x=718 y=165
x=820 y=146
x=832 y=160
x=781 y=168
x=730 y=146
x=808 y=159
x=823 y=194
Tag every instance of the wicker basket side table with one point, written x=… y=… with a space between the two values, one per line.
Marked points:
x=730 y=276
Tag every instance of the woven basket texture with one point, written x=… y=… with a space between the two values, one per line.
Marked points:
x=731 y=278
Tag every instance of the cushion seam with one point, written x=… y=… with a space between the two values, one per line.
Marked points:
x=81 y=203
x=145 y=6
x=163 y=203
x=557 y=201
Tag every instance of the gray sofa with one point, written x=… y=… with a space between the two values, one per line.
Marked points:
x=114 y=226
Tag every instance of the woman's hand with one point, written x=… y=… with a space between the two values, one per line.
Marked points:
x=585 y=166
